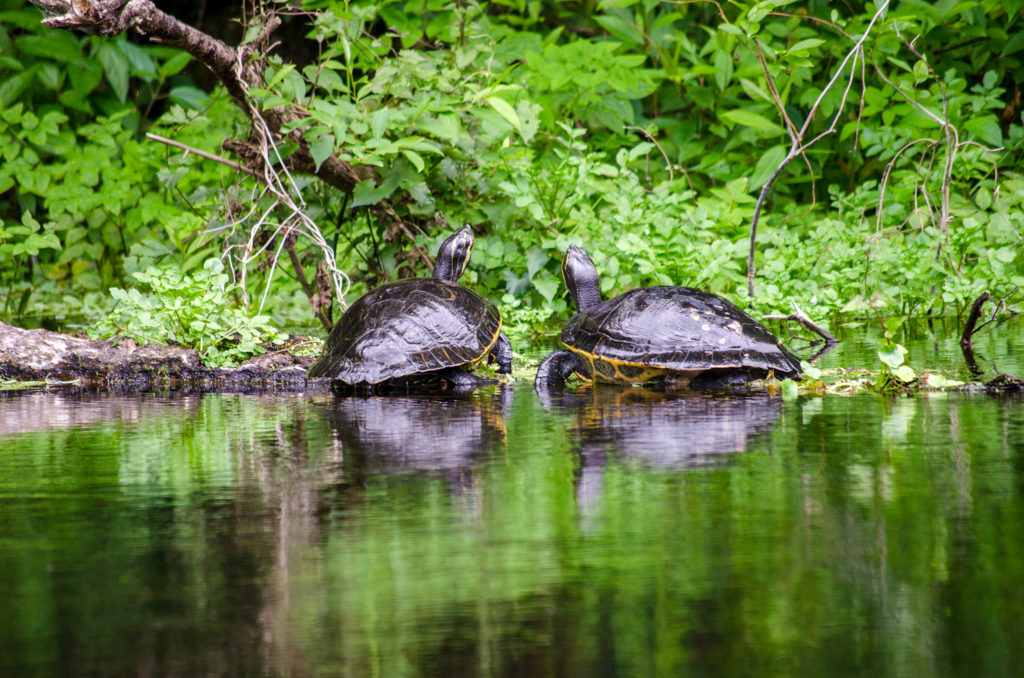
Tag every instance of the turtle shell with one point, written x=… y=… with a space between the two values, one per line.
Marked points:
x=645 y=332
x=408 y=327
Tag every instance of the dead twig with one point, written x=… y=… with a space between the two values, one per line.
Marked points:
x=798 y=144
x=802 y=318
x=202 y=154
x=967 y=338
x=971 y=327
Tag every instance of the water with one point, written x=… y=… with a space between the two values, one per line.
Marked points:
x=608 y=532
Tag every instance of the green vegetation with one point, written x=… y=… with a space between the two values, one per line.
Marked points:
x=645 y=130
x=189 y=310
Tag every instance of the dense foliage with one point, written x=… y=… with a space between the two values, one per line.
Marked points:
x=643 y=130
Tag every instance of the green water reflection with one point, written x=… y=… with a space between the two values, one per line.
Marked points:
x=606 y=533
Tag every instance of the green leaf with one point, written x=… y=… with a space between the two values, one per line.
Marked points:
x=856 y=304
x=809 y=370
x=174 y=65
x=280 y=74
x=986 y=128
x=367 y=192
x=547 y=286
x=189 y=97
x=54 y=45
x=14 y=85
x=1006 y=254
x=621 y=28
x=116 y=68
x=415 y=158
x=49 y=75
x=85 y=75
x=805 y=45
x=894 y=323
x=379 y=123
x=740 y=116
x=1014 y=44
x=905 y=373
x=766 y=166
x=505 y=110
x=445 y=126
x=892 y=355
x=321 y=148
x=536 y=258
x=140 y=62
x=790 y=391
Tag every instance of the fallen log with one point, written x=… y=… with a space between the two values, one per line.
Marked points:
x=103 y=364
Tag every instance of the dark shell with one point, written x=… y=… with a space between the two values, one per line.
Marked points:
x=408 y=327
x=677 y=328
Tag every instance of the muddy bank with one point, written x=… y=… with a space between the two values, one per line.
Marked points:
x=42 y=355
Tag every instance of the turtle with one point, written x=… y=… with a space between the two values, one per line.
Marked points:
x=417 y=334
x=678 y=335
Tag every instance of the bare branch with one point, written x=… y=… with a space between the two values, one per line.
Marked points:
x=967 y=338
x=798 y=145
x=802 y=318
x=203 y=154
x=647 y=135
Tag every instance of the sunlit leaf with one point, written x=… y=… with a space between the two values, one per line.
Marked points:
x=904 y=373
x=790 y=390
x=504 y=110
x=805 y=45
x=379 y=123
x=547 y=286
x=892 y=355
x=809 y=370
x=750 y=119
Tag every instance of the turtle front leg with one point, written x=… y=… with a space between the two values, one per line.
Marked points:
x=502 y=353
x=466 y=382
x=556 y=368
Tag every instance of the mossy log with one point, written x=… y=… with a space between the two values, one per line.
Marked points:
x=102 y=364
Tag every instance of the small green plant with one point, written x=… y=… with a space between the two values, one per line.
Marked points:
x=895 y=374
x=193 y=310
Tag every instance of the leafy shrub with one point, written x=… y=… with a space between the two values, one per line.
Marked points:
x=194 y=310
x=643 y=131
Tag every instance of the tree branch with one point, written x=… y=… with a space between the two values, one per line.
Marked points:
x=802 y=318
x=967 y=338
x=203 y=154
x=233 y=66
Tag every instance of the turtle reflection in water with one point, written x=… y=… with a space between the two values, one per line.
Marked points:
x=403 y=434
x=420 y=334
x=678 y=335
x=663 y=429
x=656 y=430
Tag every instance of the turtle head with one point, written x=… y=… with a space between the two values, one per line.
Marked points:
x=453 y=255
x=580 y=275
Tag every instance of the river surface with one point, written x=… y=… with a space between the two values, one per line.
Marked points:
x=602 y=532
